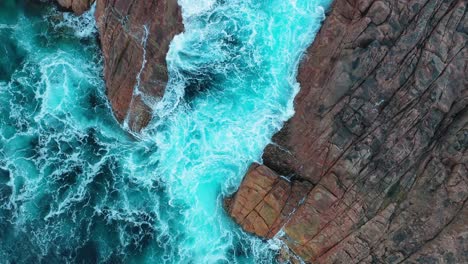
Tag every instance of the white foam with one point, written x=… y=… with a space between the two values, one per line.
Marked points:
x=83 y=26
x=198 y=152
x=193 y=8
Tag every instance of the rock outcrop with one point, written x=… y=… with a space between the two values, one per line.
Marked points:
x=379 y=141
x=265 y=200
x=77 y=6
x=135 y=37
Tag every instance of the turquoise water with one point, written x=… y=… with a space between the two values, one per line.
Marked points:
x=77 y=187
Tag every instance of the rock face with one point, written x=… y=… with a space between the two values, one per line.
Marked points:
x=135 y=37
x=378 y=143
x=77 y=6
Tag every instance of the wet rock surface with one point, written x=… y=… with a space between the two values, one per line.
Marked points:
x=379 y=140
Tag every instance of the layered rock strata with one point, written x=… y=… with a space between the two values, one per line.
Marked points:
x=380 y=137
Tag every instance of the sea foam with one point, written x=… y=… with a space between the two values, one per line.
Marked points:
x=76 y=187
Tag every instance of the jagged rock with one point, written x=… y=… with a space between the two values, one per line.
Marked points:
x=77 y=6
x=135 y=37
x=381 y=131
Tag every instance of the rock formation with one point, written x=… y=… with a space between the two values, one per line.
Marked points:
x=135 y=37
x=77 y=6
x=265 y=200
x=378 y=145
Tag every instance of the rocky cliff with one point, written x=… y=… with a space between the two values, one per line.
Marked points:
x=135 y=37
x=374 y=161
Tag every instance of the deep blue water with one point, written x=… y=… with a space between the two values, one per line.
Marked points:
x=77 y=187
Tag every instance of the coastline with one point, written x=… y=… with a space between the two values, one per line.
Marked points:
x=370 y=136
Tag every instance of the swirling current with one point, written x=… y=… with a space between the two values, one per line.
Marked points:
x=77 y=187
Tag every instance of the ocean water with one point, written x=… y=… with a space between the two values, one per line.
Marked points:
x=77 y=187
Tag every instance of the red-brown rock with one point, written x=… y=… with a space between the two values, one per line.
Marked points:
x=135 y=37
x=381 y=131
x=265 y=201
x=77 y=6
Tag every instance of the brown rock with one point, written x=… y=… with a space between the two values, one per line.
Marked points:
x=77 y=6
x=381 y=131
x=135 y=37
x=265 y=201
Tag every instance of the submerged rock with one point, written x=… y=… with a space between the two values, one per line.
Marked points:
x=380 y=130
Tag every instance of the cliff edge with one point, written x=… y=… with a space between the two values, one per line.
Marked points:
x=374 y=161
